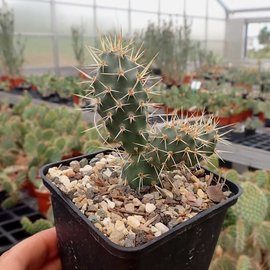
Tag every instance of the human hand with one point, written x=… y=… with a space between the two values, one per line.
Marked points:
x=38 y=252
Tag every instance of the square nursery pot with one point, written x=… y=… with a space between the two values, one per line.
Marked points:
x=189 y=245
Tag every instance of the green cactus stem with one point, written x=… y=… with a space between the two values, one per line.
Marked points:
x=122 y=98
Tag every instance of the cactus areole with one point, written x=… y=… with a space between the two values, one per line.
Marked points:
x=121 y=96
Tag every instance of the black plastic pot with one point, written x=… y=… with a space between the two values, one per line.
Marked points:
x=250 y=131
x=267 y=122
x=187 y=246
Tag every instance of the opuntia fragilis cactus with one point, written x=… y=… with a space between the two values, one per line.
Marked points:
x=121 y=96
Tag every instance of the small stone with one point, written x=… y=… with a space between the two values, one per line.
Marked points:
x=172 y=223
x=83 y=162
x=133 y=222
x=200 y=193
x=92 y=208
x=129 y=242
x=78 y=176
x=104 y=205
x=161 y=227
x=120 y=225
x=90 y=193
x=156 y=195
x=63 y=168
x=116 y=236
x=54 y=172
x=86 y=170
x=194 y=179
x=179 y=178
x=107 y=172
x=93 y=218
x=75 y=165
x=99 y=165
x=64 y=180
x=69 y=173
x=93 y=161
x=147 y=198
x=129 y=207
x=115 y=217
x=99 y=226
x=150 y=207
x=136 y=202
x=118 y=203
x=141 y=238
x=110 y=204
x=101 y=213
x=141 y=208
x=97 y=199
x=166 y=193
x=158 y=233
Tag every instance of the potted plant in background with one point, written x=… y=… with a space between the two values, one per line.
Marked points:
x=251 y=125
x=151 y=205
x=11 y=48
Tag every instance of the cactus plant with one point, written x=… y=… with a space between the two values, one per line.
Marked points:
x=36 y=226
x=122 y=99
x=11 y=180
x=246 y=241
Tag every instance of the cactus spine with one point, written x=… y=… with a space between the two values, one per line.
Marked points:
x=121 y=95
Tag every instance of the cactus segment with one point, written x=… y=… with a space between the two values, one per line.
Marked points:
x=256 y=211
x=241 y=236
x=233 y=176
x=244 y=263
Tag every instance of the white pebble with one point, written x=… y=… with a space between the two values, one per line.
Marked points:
x=54 y=172
x=104 y=205
x=150 y=207
x=108 y=172
x=200 y=193
x=64 y=180
x=120 y=225
x=110 y=204
x=136 y=202
x=158 y=233
x=129 y=207
x=161 y=227
x=106 y=221
x=86 y=169
x=133 y=222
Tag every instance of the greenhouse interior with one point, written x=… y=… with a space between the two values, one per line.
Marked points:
x=162 y=108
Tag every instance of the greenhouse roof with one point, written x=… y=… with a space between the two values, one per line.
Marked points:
x=233 y=6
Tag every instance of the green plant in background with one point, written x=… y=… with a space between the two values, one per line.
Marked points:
x=11 y=47
x=245 y=240
x=122 y=99
x=78 y=43
x=40 y=135
x=36 y=226
x=11 y=180
x=172 y=44
x=203 y=59
x=253 y=123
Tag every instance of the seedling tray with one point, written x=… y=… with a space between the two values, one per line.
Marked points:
x=11 y=231
x=259 y=141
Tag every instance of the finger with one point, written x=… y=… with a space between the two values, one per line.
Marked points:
x=32 y=252
x=53 y=265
